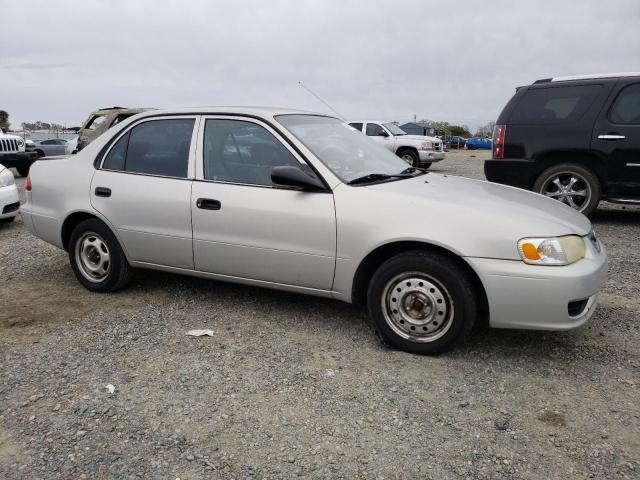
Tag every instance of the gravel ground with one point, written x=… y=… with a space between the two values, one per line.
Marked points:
x=295 y=386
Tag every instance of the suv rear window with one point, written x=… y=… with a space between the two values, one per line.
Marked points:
x=554 y=104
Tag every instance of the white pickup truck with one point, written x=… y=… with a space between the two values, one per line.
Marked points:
x=416 y=150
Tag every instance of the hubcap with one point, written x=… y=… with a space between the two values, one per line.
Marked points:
x=417 y=307
x=407 y=158
x=570 y=188
x=93 y=257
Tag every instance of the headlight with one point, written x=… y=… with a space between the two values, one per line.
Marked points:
x=20 y=142
x=6 y=178
x=551 y=251
x=426 y=146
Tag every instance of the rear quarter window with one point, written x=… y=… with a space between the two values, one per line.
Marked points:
x=551 y=105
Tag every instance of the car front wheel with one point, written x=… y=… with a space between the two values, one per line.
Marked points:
x=410 y=157
x=421 y=302
x=96 y=257
x=571 y=184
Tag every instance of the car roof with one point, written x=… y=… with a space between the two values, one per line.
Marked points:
x=369 y=121
x=258 y=111
x=593 y=76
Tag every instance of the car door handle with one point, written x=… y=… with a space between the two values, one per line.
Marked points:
x=611 y=136
x=103 y=192
x=208 y=204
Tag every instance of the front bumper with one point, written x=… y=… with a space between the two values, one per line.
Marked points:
x=537 y=297
x=430 y=156
x=9 y=201
x=19 y=159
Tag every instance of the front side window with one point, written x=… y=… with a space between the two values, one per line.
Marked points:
x=242 y=152
x=373 y=129
x=626 y=108
x=158 y=147
x=357 y=126
x=343 y=150
x=554 y=104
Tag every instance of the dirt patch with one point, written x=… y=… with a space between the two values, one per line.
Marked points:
x=553 y=418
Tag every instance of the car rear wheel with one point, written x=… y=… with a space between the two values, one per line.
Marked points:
x=96 y=257
x=410 y=157
x=572 y=184
x=421 y=302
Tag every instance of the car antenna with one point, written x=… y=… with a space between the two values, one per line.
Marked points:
x=320 y=98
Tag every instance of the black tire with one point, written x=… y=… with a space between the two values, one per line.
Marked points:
x=454 y=301
x=564 y=172
x=426 y=165
x=119 y=271
x=23 y=170
x=40 y=153
x=410 y=156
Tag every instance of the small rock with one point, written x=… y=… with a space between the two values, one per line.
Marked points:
x=299 y=471
x=190 y=458
x=604 y=434
x=464 y=404
x=56 y=408
x=501 y=424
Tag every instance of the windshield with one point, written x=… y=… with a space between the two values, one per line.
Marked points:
x=348 y=153
x=394 y=129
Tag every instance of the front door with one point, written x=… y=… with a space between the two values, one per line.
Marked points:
x=376 y=132
x=143 y=188
x=616 y=135
x=244 y=225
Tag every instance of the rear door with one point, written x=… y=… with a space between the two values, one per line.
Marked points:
x=244 y=225
x=143 y=188
x=616 y=135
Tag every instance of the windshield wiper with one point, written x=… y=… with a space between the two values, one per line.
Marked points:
x=375 y=177
x=420 y=171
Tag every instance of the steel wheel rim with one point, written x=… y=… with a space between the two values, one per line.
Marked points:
x=417 y=307
x=407 y=158
x=569 y=188
x=93 y=257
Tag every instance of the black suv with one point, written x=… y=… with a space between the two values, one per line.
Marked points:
x=575 y=139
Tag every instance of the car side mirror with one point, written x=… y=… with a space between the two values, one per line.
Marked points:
x=296 y=177
x=382 y=133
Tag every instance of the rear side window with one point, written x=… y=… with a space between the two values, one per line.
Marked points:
x=626 y=108
x=96 y=122
x=357 y=126
x=554 y=104
x=158 y=147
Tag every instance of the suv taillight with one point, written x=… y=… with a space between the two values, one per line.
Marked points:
x=498 y=140
x=27 y=184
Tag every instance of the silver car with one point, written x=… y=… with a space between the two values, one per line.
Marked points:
x=302 y=202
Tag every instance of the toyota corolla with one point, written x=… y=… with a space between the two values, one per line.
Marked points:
x=302 y=202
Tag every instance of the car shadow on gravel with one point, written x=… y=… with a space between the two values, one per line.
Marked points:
x=616 y=214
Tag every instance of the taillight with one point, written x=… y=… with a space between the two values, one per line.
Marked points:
x=27 y=184
x=498 y=140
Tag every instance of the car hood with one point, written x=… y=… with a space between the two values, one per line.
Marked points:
x=474 y=217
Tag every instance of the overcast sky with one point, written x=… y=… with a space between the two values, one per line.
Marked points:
x=455 y=61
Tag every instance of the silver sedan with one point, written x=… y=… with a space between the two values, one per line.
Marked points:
x=302 y=202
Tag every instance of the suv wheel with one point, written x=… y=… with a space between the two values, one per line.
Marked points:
x=572 y=184
x=23 y=170
x=96 y=258
x=410 y=157
x=421 y=302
